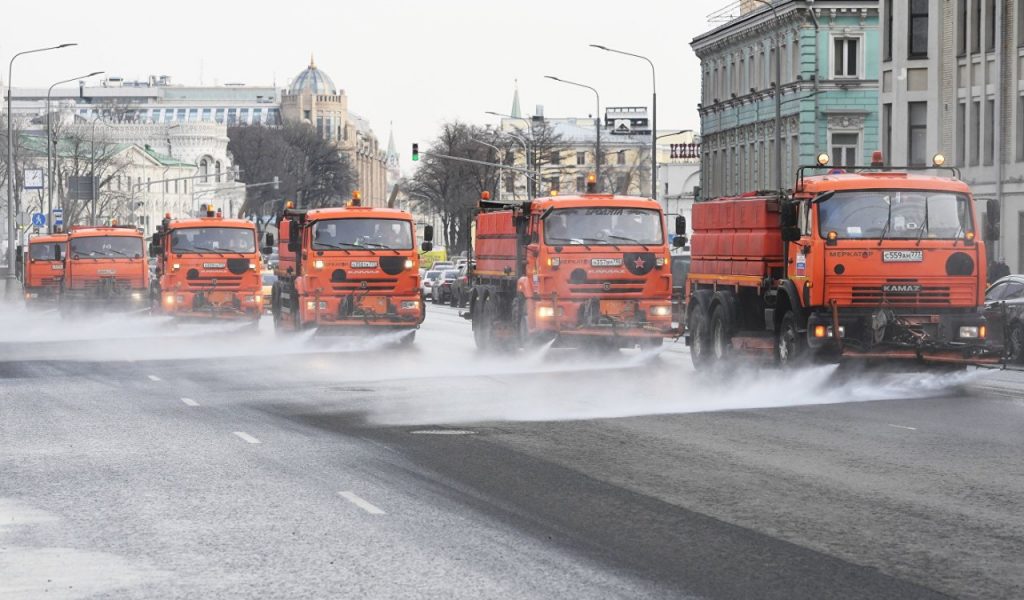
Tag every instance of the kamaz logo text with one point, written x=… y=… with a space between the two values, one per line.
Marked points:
x=901 y=288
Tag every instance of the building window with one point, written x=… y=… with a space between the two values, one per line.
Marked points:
x=620 y=157
x=581 y=184
x=581 y=158
x=216 y=171
x=961 y=27
x=1020 y=28
x=204 y=169
x=622 y=183
x=990 y=131
x=845 y=58
x=206 y=115
x=844 y=148
x=553 y=184
x=556 y=157
x=918 y=32
x=886 y=131
x=219 y=115
x=990 y=26
x=1020 y=128
x=917 y=138
x=257 y=116
x=975 y=131
x=976 y=27
x=149 y=184
x=184 y=186
x=887 y=34
x=961 y=123
x=181 y=114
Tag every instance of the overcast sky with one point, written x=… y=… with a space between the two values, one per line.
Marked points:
x=415 y=64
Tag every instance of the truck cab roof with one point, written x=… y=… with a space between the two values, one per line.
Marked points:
x=194 y=222
x=873 y=180
x=117 y=231
x=357 y=212
x=595 y=200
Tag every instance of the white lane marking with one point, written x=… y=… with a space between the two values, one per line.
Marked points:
x=153 y=378
x=190 y=402
x=902 y=427
x=363 y=504
x=245 y=436
x=443 y=432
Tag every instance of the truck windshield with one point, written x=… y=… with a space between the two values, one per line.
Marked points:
x=603 y=226
x=895 y=214
x=346 y=234
x=106 y=247
x=43 y=251
x=213 y=239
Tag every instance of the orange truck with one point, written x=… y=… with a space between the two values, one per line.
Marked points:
x=858 y=262
x=44 y=268
x=352 y=269
x=105 y=268
x=580 y=270
x=208 y=267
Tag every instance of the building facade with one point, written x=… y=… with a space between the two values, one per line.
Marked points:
x=313 y=98
x=829 y=62
x=953 y=83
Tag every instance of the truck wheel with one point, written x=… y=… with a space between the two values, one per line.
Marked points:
x=700 y=337
x=791 y=347
x=481 y=324
x=721 y=334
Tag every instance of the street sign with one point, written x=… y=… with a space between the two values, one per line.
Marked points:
x=58 y=217
x=38 y=219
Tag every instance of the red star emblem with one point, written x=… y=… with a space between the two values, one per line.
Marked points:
x=639 y=262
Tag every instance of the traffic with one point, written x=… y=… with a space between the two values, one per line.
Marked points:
x=872 y=263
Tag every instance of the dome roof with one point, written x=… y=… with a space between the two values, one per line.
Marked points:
x=313 y=80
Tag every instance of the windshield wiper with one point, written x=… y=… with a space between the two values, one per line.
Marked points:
x=572 y=241
x=888 y=222
x=117 y=251
x=205 y=249
x=924 y=225
x=630 y=240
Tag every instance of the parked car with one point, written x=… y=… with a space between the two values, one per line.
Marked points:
x=460 y=288
x=442 y=291
x=442 y=265
x=430 y=278
x=268 y=285
x=1004 y=309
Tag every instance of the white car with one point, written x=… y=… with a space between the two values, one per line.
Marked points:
x=430 y=278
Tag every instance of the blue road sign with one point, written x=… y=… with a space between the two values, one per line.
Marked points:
x=38 y=219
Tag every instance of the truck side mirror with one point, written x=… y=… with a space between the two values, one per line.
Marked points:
x=790 y=234
x=788 y=215
x=680 y=225
x=679 y=241
x=992 y=220
x=294 y=233
x=427 y=245
x=154 y=250
x=428 y=235
x=269 y=240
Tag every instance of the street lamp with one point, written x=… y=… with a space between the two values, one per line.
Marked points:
x=11 y=234
x=530 y=181
x=497 y=156
x=654 y=115
x=92 y=170
x=778 y=97
x=597 y=125
x=49 y=142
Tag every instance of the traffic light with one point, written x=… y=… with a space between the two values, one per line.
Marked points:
x=415 y=152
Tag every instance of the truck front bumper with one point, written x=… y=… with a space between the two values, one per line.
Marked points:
x=624 y=318
x=205 y=305
x=378 y=312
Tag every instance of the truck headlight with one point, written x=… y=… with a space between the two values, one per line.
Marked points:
x=408 y=263
x=310 y=305
x=554 y=262
x=660 y=261
x=175 y=266
x=545 y=312
x=136 y=295
x=410 y=305
x=663 y=310
x=972 y=332
x=250 y=298
x=169 y=300
x=318 y=264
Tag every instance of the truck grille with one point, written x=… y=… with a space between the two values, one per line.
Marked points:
x=225 y=283
x=899 y=292
x=591 y=286
x=357 y=285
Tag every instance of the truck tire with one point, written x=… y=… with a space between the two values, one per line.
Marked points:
x=791 y=346
x=1015 y=344
x=700 y=337
x=721 y=334
x=481 y=324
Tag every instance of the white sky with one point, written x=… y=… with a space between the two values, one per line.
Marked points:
x=413 y=63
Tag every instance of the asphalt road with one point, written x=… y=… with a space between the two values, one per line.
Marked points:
x=139 y=459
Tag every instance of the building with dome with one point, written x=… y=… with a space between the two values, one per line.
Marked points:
x=313 y=98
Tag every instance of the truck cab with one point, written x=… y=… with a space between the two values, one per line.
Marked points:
x=105 y=268
x=43 y=265
x=351 y=269
x=592 y=268
x=208 y=267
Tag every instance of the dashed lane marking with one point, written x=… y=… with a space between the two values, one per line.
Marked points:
x=153 y=378
x=245 y=436
x=443 y=432
x=363 y=504
x=190 y=402
x=902 y=427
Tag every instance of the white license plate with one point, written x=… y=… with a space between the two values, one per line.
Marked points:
x=364 y=264
x=57 y=267
x=903 y=256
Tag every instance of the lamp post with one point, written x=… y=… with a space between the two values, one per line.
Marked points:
x=11 y=233
x=92 y=169
x=778 y=97
x=497 y=156
x=597 y=125
x=49 y=143
x=654 y=115
x=530 y=181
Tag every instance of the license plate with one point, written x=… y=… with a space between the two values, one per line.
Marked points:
x=606 y=262
x=903 y=256
x=364 y=264
x=57 y=267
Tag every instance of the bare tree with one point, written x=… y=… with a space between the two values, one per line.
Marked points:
x=79 y=155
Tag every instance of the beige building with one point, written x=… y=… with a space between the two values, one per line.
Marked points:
x=313 y=98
